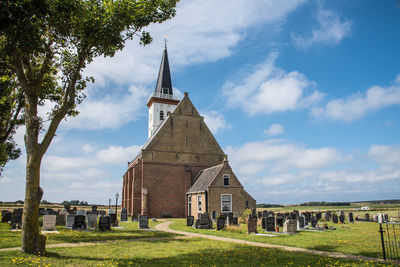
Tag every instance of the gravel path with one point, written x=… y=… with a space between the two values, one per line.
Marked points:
x=164 y=226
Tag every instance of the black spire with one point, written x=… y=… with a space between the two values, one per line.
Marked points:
x=164 y=84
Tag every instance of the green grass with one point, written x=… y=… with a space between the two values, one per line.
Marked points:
x=10 y=239
x=183 y=252
x=358 y=238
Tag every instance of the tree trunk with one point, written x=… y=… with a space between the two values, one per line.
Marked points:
x=32 y=242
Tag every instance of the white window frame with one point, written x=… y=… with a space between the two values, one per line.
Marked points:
x=229 y=179
x=226 y=211
x=189 y=205
x=199 y=202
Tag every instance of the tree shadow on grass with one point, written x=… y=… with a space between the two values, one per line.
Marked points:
x=329 y=248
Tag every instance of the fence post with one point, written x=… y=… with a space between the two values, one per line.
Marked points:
x=382 y=240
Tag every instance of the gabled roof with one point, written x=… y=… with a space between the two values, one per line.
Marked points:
x=164 y=75
x=205 y=178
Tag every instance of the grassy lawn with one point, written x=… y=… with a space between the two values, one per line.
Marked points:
x=358 y=238
x=130 y=231
x=183 y=252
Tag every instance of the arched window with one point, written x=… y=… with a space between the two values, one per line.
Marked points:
x=161 y=115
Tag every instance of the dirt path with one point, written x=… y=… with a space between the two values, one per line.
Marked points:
x=164 y=226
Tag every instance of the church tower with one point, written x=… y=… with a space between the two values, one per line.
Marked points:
x=162 y=102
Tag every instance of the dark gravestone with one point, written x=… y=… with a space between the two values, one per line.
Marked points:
x=341 y=218
x=6 y=217
x=134 y=217
x=103 y=213
x=318 y=215
x=259 y=214
x=270 y=224
x=79 y=222
x=251 y=224
x=350 y=217
x=302 y=221
x=105 y=223
x=189 y=220
x=60 y=220
x=124 y=215
x=73 y=211
x=367 y=216
x=113 y=218
x=143 y=222
x=314 y=221
x=293 y=215
x=4 y=212
x=265 y=214
x=264 y=223
x=335 y=218
x=16 y=218
x=229 y=217
x=279 y=220
x=203 y=222
x=235 y=221
x=42 y=211
x=221 y=222
x=307 y=216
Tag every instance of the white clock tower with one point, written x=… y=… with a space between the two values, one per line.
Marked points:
x=162 y=102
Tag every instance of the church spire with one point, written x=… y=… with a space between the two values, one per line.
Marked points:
x=164 y=84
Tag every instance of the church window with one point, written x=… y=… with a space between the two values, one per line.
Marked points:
x=199 y=203
x=165 y=91
x=189 y=205
x=226 y=203
x=226 y=179
x=161 y=115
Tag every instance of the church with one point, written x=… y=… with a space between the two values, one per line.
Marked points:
x=181 y=170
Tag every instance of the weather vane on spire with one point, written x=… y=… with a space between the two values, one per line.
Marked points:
x=165 y=40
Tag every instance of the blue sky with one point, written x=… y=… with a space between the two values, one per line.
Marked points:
x=303 y=96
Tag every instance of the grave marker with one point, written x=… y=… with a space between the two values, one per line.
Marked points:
x=92 y=220
x=143 y=222
x=189 y=220
x=60 y=219
x=203 y=222
x=70 y=220
x=350 y=217
x=124 y=215
x=49 y=223
x=334 y=218
x=270 y=224
x=105 y=223
x=290 y=226
x=220 y=222
x=251 y=224
x=302 y=221
x=79 y=222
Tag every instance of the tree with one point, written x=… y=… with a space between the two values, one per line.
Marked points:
x=44 y=46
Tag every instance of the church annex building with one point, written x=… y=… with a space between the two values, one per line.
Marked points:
x=181 y=170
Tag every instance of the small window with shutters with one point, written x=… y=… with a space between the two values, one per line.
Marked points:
x=226 y=180
x=161 y=115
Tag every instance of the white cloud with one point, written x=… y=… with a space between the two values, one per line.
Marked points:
x=358 y=105
x=274 y=129
x=330 y=30
x=201 y=31
x=269 y=89
x=215 y=121
x=385 y=155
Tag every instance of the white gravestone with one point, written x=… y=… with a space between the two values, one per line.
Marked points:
x=49 y=223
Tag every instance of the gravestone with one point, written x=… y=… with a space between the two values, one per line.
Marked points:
x=302 y=221
x=264 y=214
x=113 y=218
x=6 y=217
x=327 y=216
x=270 y=224
x=134 y=217
x=94 y=209
x=143 y=222
x=4 y=212
x=49 y=223
x=341 y=218
x=220 y=222
x=235 y=221
x=104 y=223
x=81 y=212
x=229 y=217
x=318 y=215
x=203 y=222
x=60 y=219
x=335 y=218
x=92 y=220
x=189 y=220
x=293 y=215
x=41 y=211
x=124 y=215
x=307 y=216
x=70 y=220
x=73 y=211
x=367 y=216
x=103 y=213
x=386 y=217
x=290 y=226
x=251 y=224
x=259 y=215
x=264 y=223
x=79 y=222
x=16 y=218
x=350 y=217
x=314 y=221
x=279 y=220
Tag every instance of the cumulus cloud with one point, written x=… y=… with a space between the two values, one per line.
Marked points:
x=358 y=105
x=267 y=89
x=330 y=30
x=201 y=31
x=215 y=121
x=274 y=129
